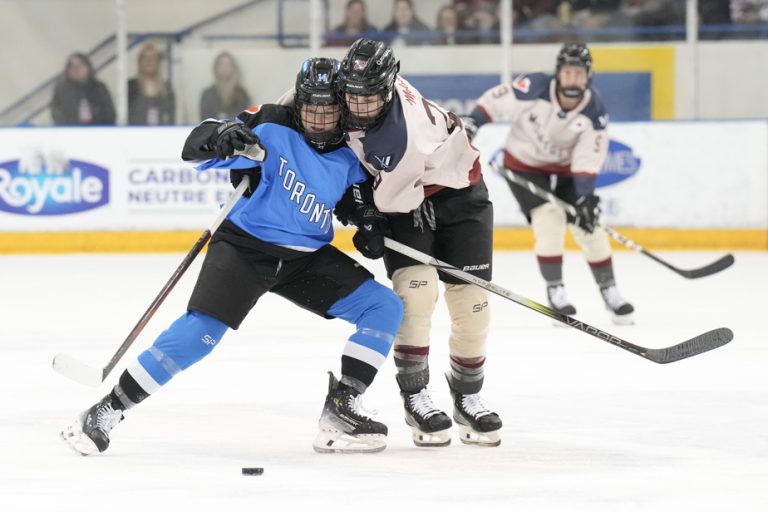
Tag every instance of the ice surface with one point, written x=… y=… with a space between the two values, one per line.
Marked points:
x=587 y=426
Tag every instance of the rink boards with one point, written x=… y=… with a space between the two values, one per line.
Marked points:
x=667 y=185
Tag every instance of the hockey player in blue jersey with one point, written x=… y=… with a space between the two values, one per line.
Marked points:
x=276 y=239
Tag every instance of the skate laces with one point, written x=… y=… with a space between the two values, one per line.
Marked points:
x=612 y=298
x=355 y=404
x=557 y=296
x=421 y=403
x=474 y=405
x=107 y=417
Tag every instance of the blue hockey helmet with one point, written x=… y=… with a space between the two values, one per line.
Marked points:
x=316 y=104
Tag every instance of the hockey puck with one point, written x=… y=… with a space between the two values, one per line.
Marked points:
x=253 y=471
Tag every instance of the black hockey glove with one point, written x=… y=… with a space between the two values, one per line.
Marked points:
x=372 y=227
x=232 y=138
x=254 y=176
x=469 y=126
x=587 y=212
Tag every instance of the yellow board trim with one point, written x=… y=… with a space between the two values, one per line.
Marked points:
x=505 y=239
x=659 y=61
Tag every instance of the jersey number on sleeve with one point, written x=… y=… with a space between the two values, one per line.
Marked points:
x=451 y=119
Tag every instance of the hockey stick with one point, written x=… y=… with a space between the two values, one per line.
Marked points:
x=713 y=268
x=90 y=376
x=692 y=347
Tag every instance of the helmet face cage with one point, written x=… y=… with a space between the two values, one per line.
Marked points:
x=366 y=83
x=316 y=106
x=574 y=54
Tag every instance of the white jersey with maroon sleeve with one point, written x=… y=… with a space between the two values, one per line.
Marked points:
x=416 y=149
x=543 y=137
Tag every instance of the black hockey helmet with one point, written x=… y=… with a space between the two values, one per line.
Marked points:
x=368 y=69
x=573 y=54
x=315 y=85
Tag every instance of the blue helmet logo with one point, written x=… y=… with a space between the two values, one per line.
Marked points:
x=619 y=165
x=75 y=187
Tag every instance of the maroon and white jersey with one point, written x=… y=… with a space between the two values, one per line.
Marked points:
x=543 y=137
x=415 y=150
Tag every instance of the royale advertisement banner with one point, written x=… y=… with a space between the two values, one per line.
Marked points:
x=112 y=179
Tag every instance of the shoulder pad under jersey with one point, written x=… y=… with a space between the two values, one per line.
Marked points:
x=385 y=144
x=267 y=113
x=532 y=87
x=595 y=111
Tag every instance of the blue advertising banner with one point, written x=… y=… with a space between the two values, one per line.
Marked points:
x=48 y=190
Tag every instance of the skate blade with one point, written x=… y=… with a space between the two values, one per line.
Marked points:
x=623 y=319
x=74 y=437
x=436 y=439
x=473 y=437
x=336 y=441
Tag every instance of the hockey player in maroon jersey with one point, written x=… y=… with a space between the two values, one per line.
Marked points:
x=427 y=183
x=558 y=141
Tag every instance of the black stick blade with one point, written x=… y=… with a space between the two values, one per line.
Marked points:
x=713 y=268
x=693 y=347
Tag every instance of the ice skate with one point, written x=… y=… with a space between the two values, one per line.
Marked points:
x=477 y=424
x=559 y=301
x=343 y=429
x=430 y=425
x=621 y=310
x=89 y=433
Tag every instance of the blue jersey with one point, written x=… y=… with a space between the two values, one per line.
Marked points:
x=299 y=187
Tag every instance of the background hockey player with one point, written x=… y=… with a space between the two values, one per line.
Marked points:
x=427 y=182
x=275 y=239
x=558 y=140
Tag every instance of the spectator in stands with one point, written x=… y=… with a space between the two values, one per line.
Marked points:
x=405 y=27
x=226 y=97
x=463 y=9
x=541 y=20
x=714 y=12
x=537 y=14
x=79 y=98
x=151 y=100
x=484 y=22
x=448 y=28
x=590 y=14
x=655 y=14
x=354 y=27
x=749 y=11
